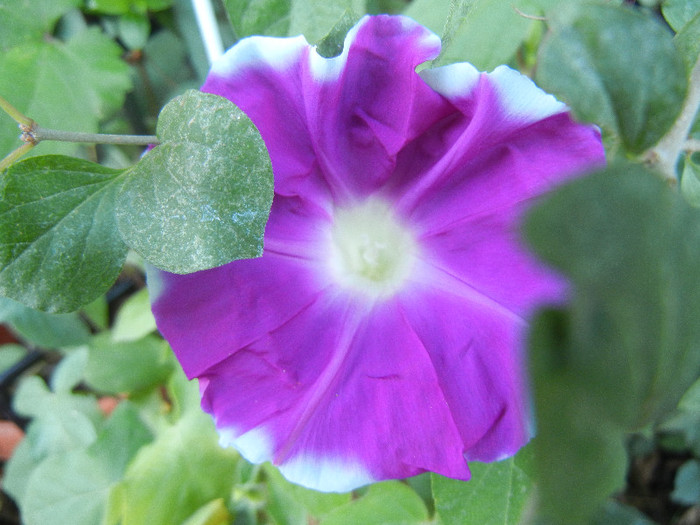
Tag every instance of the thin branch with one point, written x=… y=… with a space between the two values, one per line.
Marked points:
x=692 y=145
x=529 y=17
x=12 y=157
x=664 y=155
x=17 y=116
x=36 y=134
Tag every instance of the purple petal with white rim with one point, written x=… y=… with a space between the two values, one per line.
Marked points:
x=381 y=333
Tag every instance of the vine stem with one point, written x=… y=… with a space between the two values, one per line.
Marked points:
x=36 y=134
x=664 y=155
x=16 y=115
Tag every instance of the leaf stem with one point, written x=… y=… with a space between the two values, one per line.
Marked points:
x=24 y=148
x=16 y=115
x=36 y=134
x=664 y=155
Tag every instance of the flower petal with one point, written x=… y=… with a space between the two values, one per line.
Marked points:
x=334 y=125
x=476 y=351
x=498 y=115
x=367 y=400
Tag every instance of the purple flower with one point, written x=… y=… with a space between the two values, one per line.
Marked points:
x=381 y=333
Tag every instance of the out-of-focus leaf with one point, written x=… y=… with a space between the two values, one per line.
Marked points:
x=134 y=319
x=259 y=17
x=134 y=30
x=74 y=487
x=161 y=485
x=126 y=367
x=201 y=198
x=40 y=79
x=618 y=68
x=60 y=245
x=332 y=44
x=213 y=513
x=489 y=35
x=69 y=371
x=10 y=354
x=690 y=182
x=688 y=41
x=62 y=421
x=686 y=490
x=43 y=329
x=572 y=436
x=496 y=494
x=679 y=12
x=630 y=245
x=25 y=20
x=624 y=351
x=315 y=18
x=615 y=513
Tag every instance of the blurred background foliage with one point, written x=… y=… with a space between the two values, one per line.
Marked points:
x=111 y=430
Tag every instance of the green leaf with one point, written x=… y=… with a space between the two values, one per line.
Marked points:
x=64 y=85
x=10 y=354
x=42 y=329
x=213 y=513
x=182 y=470
x=74 y=487
x=618 y=68
x=572 y=436
x=388 y=503
x=61 y=248
x=69 y=371
x=690 y=182
x=497 y=493
x=332 y=44
x=62 y=421
x=615 y=513
x=686 y=490
x=24 y=20
x=134 y=319
x=259 y=17
x=679 y=12
x=433 y=14
x=688 y=41
x=201 y=198
x=630 y=245
x=66 y=488
x=315 y=18
x=120 y=439
x=479 y=37
x=127 y=367
x=291 y=504
x=134 y=30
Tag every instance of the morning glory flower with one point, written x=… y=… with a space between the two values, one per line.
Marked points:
x=381 y=334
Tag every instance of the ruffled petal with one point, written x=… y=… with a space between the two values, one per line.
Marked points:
x=366 y=402
x=334 y=126
x=498 y=115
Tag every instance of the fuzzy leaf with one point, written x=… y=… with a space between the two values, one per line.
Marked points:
x=200 y=199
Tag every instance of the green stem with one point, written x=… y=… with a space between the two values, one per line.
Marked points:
x=16 y=115
x=24 y=148
x=664 y=155
x=37 y=134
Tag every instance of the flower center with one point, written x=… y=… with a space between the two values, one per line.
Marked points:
x=370 y=250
